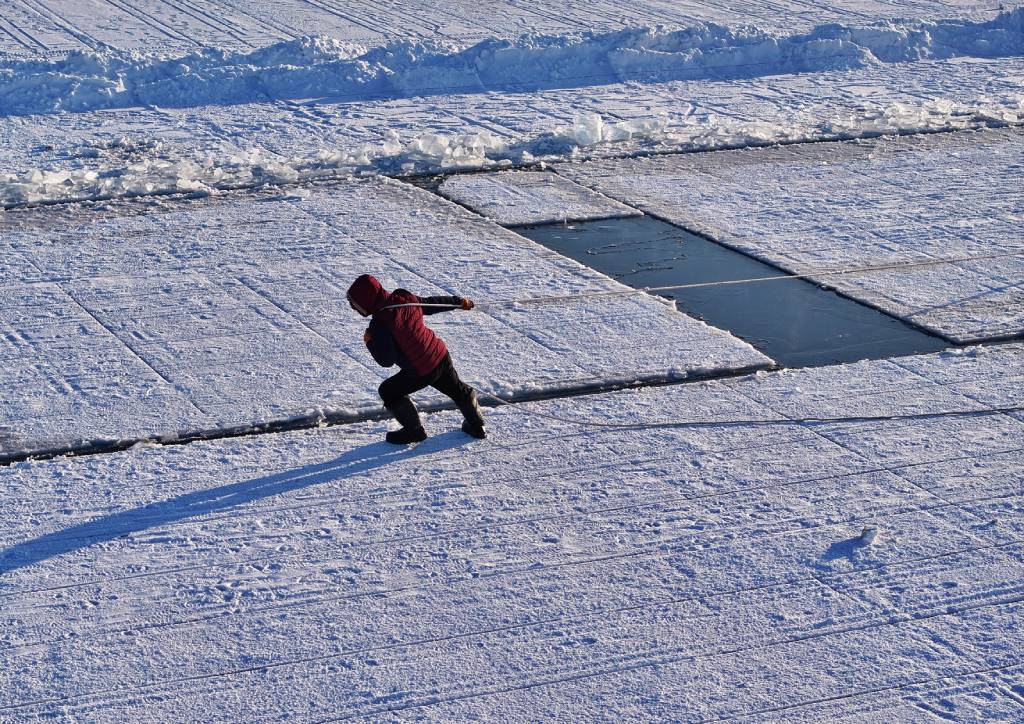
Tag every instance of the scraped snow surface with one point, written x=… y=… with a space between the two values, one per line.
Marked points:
x=518 y=198
x=563 y=569
x=813 y=209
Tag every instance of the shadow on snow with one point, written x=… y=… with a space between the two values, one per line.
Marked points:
x=189 y=505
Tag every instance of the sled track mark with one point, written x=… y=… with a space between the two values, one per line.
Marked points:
x=280 y=30
x=297 y=320
x=832 y=437
x=132 y=350
x=641 y=551
x=329 y=8
x=218 y=25
x=876 y=690
x=994 y=595
x=670 y=657
x=529 y=520
x=527 y=568
x=390 y=12
x=715 y=537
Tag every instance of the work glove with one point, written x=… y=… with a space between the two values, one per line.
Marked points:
x=467 y=304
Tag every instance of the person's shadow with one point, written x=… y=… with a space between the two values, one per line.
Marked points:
x=359 y=460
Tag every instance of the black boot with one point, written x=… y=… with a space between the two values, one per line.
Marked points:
x=412 y=431
x=474 y=422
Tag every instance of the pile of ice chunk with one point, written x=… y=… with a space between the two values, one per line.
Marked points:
x=163 y=169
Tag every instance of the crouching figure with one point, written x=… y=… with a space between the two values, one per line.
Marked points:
x=397 y=335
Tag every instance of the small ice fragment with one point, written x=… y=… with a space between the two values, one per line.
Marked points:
x=868 y=535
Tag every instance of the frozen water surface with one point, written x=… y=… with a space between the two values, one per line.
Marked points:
x=793 y=321
x=559 y=567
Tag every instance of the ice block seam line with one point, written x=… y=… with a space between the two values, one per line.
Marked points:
x=182 y=392
x=322 y=418
x=324 y=421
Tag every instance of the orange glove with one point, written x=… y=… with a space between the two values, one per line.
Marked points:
x=467 y=304
x=366 y=336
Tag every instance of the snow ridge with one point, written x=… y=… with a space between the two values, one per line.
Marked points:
x=317 y=66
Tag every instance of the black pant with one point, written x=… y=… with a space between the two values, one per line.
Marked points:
x=444 y=379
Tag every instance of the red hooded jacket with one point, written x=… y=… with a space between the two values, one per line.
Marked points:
x=399 y=335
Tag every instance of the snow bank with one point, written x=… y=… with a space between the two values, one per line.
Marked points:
x=318 y=66
x=164 y=169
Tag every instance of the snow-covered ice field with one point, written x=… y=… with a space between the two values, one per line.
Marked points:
x=110 y=123
x=135 y=320
x=559 y=568
x=187 y=189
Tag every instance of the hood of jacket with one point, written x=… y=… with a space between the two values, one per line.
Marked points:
x=367 y=294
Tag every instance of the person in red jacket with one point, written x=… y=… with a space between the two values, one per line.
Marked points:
x=397 y=335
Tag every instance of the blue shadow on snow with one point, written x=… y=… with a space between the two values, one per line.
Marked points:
x=359 y=460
